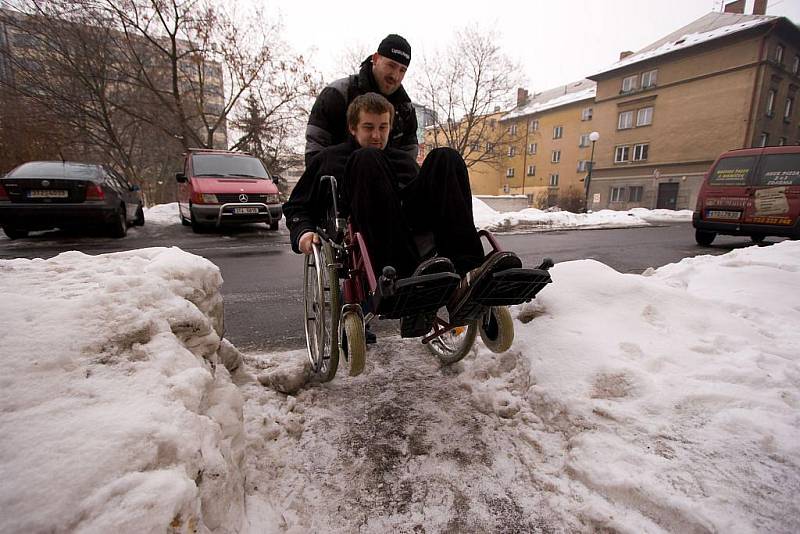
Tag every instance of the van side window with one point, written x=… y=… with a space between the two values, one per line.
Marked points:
x=733 y=171
x=780 y=169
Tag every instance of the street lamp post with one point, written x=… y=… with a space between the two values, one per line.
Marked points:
x=593 y=137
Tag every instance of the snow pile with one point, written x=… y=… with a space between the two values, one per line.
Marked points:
x=114 y=413
x=664 y=401
x=162 y=214
x=488 y=218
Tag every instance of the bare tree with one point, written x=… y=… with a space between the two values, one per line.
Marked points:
x=351 y=58
x=143 y=80
x=467 y=87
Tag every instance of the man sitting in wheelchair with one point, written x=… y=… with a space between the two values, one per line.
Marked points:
x=391 y=201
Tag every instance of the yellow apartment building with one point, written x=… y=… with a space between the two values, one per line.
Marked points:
x=548 y=153
x=664 y=113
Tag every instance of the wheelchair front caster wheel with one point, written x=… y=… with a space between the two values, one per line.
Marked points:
x=355 y=343
x=497 y=329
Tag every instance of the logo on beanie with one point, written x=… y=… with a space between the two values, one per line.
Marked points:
x=402 y=53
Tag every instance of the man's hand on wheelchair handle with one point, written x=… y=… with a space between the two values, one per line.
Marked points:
x=306 y=241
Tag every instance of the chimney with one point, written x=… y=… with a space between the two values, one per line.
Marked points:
x=624 y=54
x=522 y=96
x=735 y=7
x=760 y=7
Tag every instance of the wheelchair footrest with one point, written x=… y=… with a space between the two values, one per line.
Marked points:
x=512 y=286
x=504 y=288
x=415 y=295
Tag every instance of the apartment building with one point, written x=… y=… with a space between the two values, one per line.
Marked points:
x=664 y=113
x=547 y=155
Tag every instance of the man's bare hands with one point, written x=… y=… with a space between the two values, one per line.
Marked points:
x=306 y=241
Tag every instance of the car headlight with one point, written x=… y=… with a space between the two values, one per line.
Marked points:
x=273 y=199
x=209 y=198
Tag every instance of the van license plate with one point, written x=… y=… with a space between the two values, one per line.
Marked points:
x=722 y=214
x=48 y=193
x=248 y=211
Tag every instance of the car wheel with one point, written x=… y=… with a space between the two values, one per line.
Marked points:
x=184 y=220
x=704 y=238
x=139 y=220
x=273 y=225
x=119 y=224
x=196 y=226
x=15 y=233
x=757 y=238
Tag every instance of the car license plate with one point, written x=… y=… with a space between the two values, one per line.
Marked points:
x=723 y=214
x=48 y=193
x=243 y=211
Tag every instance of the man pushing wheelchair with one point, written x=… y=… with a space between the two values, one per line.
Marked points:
x=396 y=211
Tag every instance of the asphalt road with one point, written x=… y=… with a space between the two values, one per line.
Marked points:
x=263 y=277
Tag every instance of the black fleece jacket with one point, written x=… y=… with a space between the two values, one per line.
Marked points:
x=327 y=123
x=308 y=204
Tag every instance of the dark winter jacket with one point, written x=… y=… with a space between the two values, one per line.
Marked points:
x=310 y=200
x=327 y=124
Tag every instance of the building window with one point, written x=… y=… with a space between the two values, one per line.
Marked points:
x=489 y=147
x=779 y=53
x=583 y=165
x=796 y=65
x=787 y=110
x=771 y=103
x=533 y=125
x=586 y=114
x=635 y=193
x=764 y=140
x=475 y=146
x=625 y=120
x=510 y=172
x=531 y=170
x=532 y=148
x=555 y=157
x=644 y=117
x=649 y=78
x=492 y=123
x=554 y=180
x=781 y=141
x=558 y=131
x=512 y=129
x=512 y=150
x=640 y=152
x=617 y=194
x=506 y=188
x=621 y=154
x=584 y=141
x=629 y=83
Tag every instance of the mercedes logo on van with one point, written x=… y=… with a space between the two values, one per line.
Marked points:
x=242 y=198
x=45 y=183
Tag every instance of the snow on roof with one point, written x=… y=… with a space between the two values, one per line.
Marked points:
x=707 y=28
x=553 y=98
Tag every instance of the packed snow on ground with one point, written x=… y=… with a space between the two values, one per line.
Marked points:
x=115 y=411
x=527 y=219
x=661 y=402
x=532 y=218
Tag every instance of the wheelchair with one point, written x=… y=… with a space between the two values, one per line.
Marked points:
x=338 y=277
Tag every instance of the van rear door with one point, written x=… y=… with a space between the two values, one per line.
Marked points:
x=775 y=197
x=726 y=192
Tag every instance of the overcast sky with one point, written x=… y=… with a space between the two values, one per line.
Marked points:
x=556 y=41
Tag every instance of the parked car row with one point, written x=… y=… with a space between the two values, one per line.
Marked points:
x=216 y=188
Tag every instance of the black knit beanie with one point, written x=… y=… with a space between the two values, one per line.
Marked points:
x=396 y=48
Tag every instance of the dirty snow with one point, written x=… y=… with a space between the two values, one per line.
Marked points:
x=662 y=402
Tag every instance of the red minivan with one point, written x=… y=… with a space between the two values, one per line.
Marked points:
x=751 y=192
x=219 y=187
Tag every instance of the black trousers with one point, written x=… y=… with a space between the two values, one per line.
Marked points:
x=438 y=200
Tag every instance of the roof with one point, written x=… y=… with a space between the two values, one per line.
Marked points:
x=554 y=98
x=706 y=28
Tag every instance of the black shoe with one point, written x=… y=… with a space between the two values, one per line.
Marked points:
x=370 y=336
x=462 y=305
x=437 y=264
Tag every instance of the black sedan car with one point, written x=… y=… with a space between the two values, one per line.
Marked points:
x=41 y=195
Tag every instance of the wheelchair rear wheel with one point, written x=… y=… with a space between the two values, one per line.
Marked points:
x=321 y=300
x=453 y=345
